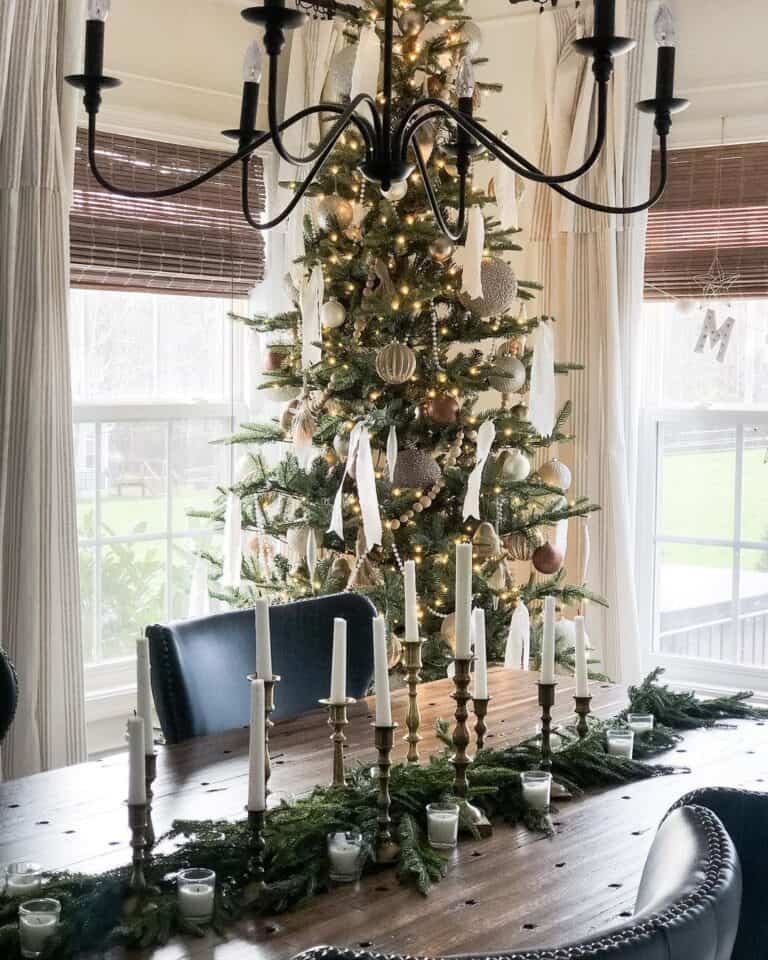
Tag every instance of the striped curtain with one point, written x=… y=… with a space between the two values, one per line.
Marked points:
x=591 y=265
x=39 y=586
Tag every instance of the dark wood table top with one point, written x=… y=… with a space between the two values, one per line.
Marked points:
x=515 y=890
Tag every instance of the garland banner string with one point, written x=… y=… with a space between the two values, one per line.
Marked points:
x=100 y=911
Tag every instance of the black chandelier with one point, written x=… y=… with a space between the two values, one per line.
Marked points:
x=386 y=143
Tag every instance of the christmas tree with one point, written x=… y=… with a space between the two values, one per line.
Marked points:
x=389 y=455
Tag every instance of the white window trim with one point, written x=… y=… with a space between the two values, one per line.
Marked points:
x=715 y=676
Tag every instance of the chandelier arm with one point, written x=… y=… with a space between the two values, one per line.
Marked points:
x=434 y=204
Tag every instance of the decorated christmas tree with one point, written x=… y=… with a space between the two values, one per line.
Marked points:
x=390 y=453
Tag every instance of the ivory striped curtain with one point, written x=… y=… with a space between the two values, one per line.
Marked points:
x=39 y=589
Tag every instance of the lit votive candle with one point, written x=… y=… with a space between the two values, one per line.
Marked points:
x=443 y=825
x=621 y=743
x=195 y=890
x=640 y=722
x=23 y=879
x=345 y=851
x=38 y=922
x=537 y=785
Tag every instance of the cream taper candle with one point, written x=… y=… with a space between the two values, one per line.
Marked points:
x=480 y=691
x=381 y=673
x=411 y=615
x=137 y=785
x=463 y=600
x=263 y=641
x=582 y=667
x=339 y=661
x=257 y=766
x=144 y=693
x=548 y=642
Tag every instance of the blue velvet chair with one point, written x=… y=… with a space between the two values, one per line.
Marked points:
x=199 y=667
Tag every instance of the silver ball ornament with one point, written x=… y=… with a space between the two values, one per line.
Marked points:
x=499 y=285
x=508 y=374
x=332 y=314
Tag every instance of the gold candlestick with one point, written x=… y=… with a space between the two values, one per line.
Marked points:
x=137 y=821
x=583 y=710
x=546 y=702
x=386 y=848
x=460 y=759
x=480 y=708
x=413 y=718
x=150 y=773
x=257 y=845
x=269 y=707
x=337 y=718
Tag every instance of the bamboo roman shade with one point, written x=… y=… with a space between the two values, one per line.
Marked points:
x=716 y=202
x=195 y=243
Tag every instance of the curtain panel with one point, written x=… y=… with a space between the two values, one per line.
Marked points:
x=39 y=584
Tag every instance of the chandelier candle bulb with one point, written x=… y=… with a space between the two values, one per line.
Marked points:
x=263 y=641
x=383 y=702
x=463 y=600
x=480 y=691
x=339 y=662
x=144 y=693
x=256 y=750
x=411 y=618
x=137 y=784
x=548 y=642
x=582 y=669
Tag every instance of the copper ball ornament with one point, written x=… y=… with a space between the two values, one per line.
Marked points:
x=415 y=469
x=441 y=249
x=396 y=363
x=443 y=409
x=547 y=558
x=272 y=360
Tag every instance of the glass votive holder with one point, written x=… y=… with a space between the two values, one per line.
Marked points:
x=195 y=892
x=537 y=786
x=38 y=922
x=443 y=824
x=346 y=854
x=640 y=722
x=23 y=879
x=621 y=742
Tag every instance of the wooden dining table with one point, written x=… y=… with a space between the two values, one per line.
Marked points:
x=513 y=890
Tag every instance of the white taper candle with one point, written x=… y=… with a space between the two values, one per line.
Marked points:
x=411 y=616
x=339 y=661
x=381 y=673
x=582 y=668
x=144 y=693
x=481 y=661
x=263 y=641
x=257 y=767
x=463 y=600
x=548 y=642
x=137 y=785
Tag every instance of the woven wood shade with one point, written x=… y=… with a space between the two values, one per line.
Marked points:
x=196 y=243
x=688 y=226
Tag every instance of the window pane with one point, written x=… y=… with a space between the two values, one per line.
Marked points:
x=754 y=506
x=88 y=611
x=85 y=477
x=695 y=601
x=134 y=463
x=183 y=555
x=697 y=495
x=192 y=335
x=132 y=594
x=753 y=607
x=197 y=465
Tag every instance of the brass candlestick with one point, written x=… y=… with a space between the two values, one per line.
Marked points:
x=337 y=718
x=413 y=718
x=386 y=848
x=257 y=845
x=546 y=702
x=269 y=707
x=480 y=708
x=583 y=710
x=150 y=773
x=137 y=821
x=460 y=759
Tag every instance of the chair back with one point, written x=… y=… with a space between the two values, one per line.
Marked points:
x=199 y=667
x=9 y=693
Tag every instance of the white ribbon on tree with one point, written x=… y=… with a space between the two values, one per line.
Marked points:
x=518 y=650
x=586 y=549
x=472 y=256
x=541 y=401
x=199 y=597
x=311 y=552
x=392 y=453
x=311 y=300
x=561 y=535
x=233 y=553
x=506 y=197
x=485 y=437
x=365 y=72
x=360 y=455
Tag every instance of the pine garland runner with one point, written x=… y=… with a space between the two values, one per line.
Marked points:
x=99 y=911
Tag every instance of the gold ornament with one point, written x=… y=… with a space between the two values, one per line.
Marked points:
x=289 y=413
x=332 y=314
x=520 y=411
x=415 y=469
x=411 y=22
x=334 y=212
x=507 y=375
x=340 y=571
x=441 y=249
x=520 y=546
x=448 y=631
x=547 y=558
x=485 y=541
x=499 y=289
x=555 y=474
x=364 y=575
x=396 y=363
x=437 y=86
